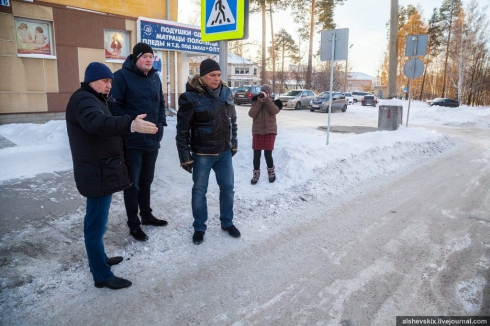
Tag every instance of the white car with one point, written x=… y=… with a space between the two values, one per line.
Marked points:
x=359 y=95
x=349 y=98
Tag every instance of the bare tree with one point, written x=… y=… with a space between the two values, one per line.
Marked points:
x=286 y=50
x=311 y=13
x=448 y=13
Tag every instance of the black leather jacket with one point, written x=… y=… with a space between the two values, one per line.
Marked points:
x=205 y=124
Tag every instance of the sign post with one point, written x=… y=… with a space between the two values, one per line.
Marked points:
x=223 y=20
x=334 y=47
x=416 y=45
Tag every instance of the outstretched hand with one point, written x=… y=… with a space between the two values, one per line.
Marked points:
x=143 y=126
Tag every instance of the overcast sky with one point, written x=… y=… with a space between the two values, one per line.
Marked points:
x=365 y=19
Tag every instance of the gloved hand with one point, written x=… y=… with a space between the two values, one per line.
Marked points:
x=278 y=103
x=233 y=151
x=187 y=167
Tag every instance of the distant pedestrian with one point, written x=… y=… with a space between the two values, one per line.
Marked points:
x=137 y=89
x=264 y=131
x=207 y=139
x=98 y=162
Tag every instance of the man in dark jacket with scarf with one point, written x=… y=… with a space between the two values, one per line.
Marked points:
x=137 y=89
x=98 y=162
x=207 y=139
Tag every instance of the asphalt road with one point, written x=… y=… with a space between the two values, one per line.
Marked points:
x=414 y=244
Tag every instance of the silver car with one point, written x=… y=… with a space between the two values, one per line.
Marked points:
x=297 y=98
x=322 y=102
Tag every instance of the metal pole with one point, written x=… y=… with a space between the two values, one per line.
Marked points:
x=223 y=60
x=331 y=85
x=169 y=96
x=415 y=39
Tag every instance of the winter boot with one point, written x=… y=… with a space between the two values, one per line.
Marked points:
x=255 y=177
x=272 y=174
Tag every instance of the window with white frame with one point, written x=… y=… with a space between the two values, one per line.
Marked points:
x=34 y=38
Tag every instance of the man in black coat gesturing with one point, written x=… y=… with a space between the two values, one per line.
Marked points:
x=98 y=162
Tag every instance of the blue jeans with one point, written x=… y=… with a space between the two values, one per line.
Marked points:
x=94 y=227
x=142 y=164
x=222 y=166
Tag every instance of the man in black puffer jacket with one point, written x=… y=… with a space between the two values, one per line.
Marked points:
x=207 y=139
x=98 y=162
x=137 y=89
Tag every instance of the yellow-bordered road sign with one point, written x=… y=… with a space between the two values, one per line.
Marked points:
x=224 y=20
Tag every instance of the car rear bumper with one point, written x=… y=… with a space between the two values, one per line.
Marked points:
x=243 y=101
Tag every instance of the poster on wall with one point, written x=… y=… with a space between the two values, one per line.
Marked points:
x=34 y=38
x=116 y=45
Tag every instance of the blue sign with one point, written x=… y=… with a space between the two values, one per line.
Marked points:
x=221 y=16
x=167 y=35
x=224 y=20
x=5 y=3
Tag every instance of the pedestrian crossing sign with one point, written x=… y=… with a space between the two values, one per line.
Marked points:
x=224 y=20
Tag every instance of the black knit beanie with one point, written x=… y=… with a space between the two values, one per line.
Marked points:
x=140 y=49
x=207 y=66
x=96 y=71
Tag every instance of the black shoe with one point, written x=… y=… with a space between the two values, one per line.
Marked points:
x=114 y=283
x=232 y=230
x=114 y=260
x=152 y=220
x=198 y=237
x=139 y=235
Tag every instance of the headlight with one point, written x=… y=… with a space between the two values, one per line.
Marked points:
x=291 y=100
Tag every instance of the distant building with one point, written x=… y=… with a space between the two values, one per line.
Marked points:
x=240 y=71
x=359 y=81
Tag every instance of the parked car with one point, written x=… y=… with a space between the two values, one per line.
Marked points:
x=243 y=94
x=297 y=98
x=444 y=102
x=349 y=98
x=369 y=100
x=322 y=101
x=357 y=96
x=436 y=99
x=233 y=90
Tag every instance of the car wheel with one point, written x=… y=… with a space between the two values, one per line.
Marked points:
x=298 y=106
x=312 y=110
x=355 y=101
x=344 y=108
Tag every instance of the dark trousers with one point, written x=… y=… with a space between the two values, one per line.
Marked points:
x=268 y=159
x=94 y=227
x=142 y=164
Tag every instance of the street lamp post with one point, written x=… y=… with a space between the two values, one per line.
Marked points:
x=346 y=65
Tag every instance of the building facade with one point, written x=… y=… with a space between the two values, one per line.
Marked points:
x=46 y=45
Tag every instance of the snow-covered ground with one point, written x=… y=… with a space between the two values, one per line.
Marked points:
x=44 y=269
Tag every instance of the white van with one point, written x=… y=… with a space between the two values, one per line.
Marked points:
x=359 y=95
